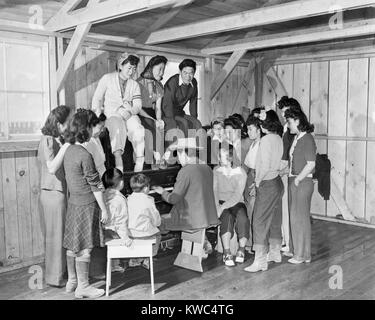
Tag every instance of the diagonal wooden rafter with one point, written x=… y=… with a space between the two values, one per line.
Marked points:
x=71 y=52
x=226 y=71
x=275 y=81
x=316 y=34
x=254 y=18
x=161 y=21
x=106 y=10
x=246 y=80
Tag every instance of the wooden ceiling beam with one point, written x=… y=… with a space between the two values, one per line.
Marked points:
x=257 y=17
x=67 y=7
x=226 y=71
x=161 y=21
x=300 y=36
x=106 y=10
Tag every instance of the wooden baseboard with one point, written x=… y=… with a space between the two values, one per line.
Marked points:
x=353 y=223
x=23 y=264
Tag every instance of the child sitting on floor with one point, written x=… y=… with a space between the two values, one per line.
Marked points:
x=117 y=224
x=144 y=218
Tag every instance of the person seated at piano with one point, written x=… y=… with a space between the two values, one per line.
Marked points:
x=178 y=91
x=192 y=196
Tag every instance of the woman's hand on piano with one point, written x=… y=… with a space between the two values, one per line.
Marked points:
x=158 y=189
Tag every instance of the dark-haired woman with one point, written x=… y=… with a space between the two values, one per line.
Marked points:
x=302 y=164
x=118 y=96
x=53 y=192
x=215 y=137
x=229 y=185
x=236 y=134
x=86 y=207
x=284 y=104
x=178 y=91
x=94 y=145
x=269 y=190
x=255 y=133
x=152 y=91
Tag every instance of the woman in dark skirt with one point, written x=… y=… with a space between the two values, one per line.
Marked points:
x=152 y=91
x=86 y=208
x=53 y=192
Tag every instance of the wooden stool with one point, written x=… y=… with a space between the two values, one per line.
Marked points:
x=192 y=250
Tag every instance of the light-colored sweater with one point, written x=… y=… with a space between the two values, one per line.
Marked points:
x=229 y=184
x=95 y=148
x=108 y=93
x=268 y=159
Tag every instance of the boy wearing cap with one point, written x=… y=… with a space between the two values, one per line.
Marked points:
x=118 y=96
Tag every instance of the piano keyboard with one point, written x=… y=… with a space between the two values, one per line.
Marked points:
x=166 y=189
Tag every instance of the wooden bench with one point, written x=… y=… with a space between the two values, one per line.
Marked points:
x=138 y=249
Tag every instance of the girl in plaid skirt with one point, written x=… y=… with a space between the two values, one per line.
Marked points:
x=86 y=207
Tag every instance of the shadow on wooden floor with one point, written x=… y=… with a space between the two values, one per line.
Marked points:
x=335 y=246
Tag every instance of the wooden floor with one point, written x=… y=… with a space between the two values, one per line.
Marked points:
x=352 y=248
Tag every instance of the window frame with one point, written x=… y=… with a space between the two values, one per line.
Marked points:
x=46 y=94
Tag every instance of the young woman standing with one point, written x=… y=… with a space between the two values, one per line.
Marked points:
x=302 y=164
x=86 y=208
x=269 y=191
x=255 y=133
x=53 y=192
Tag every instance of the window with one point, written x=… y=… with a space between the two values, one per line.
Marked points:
x=24 y=89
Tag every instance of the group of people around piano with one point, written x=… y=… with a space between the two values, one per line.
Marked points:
x=82 y=200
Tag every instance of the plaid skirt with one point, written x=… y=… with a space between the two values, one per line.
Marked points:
x=82 y=227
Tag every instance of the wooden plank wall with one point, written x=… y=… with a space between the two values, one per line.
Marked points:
x=337 y=97
x=230 y=98
x=91 y=64
x=21 y=227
